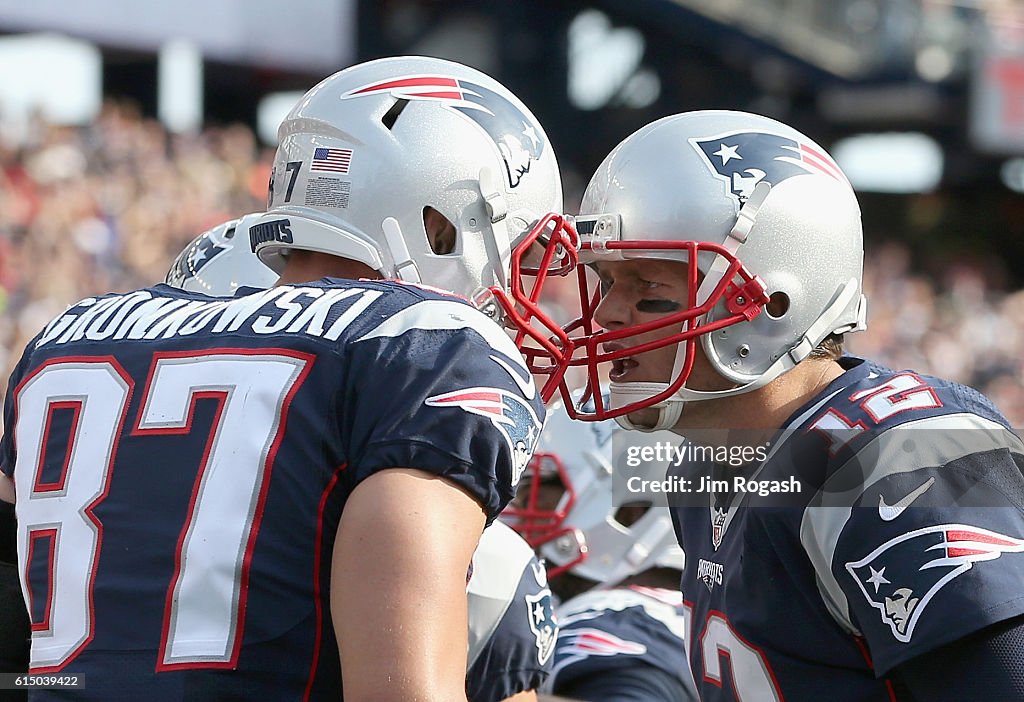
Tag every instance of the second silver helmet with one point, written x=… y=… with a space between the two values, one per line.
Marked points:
x=367 y=151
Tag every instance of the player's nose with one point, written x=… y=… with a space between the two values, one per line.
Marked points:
x=613 y=311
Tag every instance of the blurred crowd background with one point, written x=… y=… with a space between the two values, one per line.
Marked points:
x=105 y=203
x=107 y=206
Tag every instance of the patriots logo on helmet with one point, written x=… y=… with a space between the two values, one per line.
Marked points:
x=513 y=417
x=506 y=124
x=901 y=576
x=542 y=623
x=193 y=259
x=744 y=159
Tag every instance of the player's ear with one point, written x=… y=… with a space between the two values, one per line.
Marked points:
x=440 y=231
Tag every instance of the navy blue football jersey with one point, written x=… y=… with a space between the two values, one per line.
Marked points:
x=605 y=630
x=512 y=627
x=182 y=463
x=885 y=522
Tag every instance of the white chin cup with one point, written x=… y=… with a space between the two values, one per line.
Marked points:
x=669 y=410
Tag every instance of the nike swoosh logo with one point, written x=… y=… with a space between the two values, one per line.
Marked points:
x=890 y=512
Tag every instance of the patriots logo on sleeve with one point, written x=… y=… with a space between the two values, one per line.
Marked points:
x=900 y=577
x=513 y=417
x=744 y=159
x=542 y=623
x=506 y=124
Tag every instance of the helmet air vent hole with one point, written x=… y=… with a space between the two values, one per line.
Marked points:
x=630 y=513
x=391 y=116
x=440 y=231
x=778 y=305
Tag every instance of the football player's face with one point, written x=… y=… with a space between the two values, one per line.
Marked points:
x=644 y=290
x=635 y=292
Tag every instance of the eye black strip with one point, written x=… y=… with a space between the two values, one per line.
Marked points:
x=658 y=306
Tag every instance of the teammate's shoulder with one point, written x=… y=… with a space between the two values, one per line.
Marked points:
x=152 y=292
x=637 y=614
x=418 y=308
x=402 y=291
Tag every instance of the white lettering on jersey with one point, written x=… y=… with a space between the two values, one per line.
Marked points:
x=140 y=315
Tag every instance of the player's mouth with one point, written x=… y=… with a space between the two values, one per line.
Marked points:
x=621 y=367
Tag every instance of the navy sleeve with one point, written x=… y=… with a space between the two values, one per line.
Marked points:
x=638 y=682
x=988 y=665
x=7 y=448
x=934 y=551
x=623 y=629
x=512 y=627
x=518 y=655
x=14 y=624
x=439 y=387
x=7 y=454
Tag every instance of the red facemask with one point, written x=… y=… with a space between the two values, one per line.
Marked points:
x=551 y=351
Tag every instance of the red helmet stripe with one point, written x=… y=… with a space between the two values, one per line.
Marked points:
x=430 y=81
x=440 y=95
x=816 y=159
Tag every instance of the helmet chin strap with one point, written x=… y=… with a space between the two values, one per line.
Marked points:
x=405 y=268
x=497 y=212
x=669 y=410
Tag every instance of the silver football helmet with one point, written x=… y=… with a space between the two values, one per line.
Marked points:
x=219 y=260
x=567 y=510
x=367 y=151
x=766 y=215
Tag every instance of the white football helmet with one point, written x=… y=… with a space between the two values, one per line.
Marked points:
x=768 y=217
x=367 y=150
x=219 y=260
x=568 y=511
